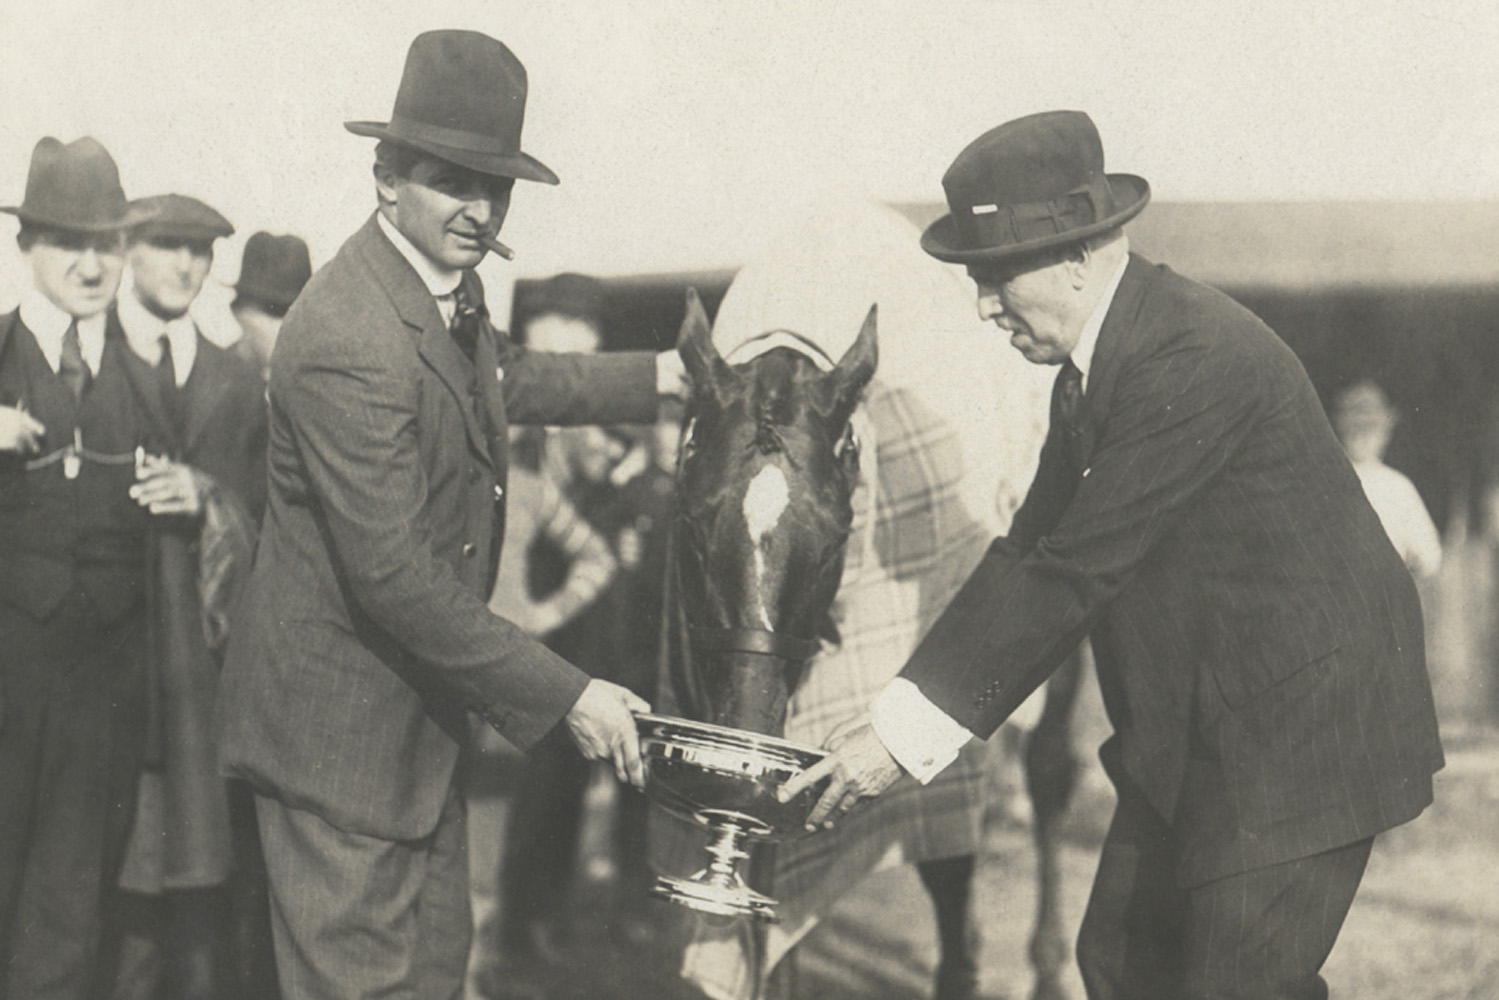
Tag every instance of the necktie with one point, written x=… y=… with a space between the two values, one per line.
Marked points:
x=466 y=318
x=70 y=366
x=166 y=383
x=1069 y=394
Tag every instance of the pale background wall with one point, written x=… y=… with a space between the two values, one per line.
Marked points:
x=685 y=132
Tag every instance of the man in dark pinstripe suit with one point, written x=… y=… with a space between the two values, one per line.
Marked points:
x=365 y=644
x=1259 y=642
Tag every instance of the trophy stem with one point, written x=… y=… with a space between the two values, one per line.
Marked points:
x=719 y=889
x=727 y=853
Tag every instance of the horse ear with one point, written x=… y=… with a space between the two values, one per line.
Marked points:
x=856 y=367
x=695 y=346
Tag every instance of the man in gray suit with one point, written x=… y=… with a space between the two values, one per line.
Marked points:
x=1259 y=641
x=365 y=643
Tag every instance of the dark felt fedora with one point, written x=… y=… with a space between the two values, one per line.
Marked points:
x=178 y=217
x=76 y=187
x=1032 y=184
x=462 y=98
x=273 y=269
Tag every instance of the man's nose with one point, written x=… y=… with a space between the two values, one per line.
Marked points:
x=479 y=210
x=183 y=259
x=90 y=268
x=989 y=305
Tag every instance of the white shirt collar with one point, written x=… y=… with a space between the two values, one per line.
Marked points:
x=144 y=330
x=439 y=280
x=48 y=324
x=1087 y=341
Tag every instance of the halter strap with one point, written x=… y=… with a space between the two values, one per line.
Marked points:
x=753 y=640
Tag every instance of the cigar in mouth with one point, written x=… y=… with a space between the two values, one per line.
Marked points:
x=490 y=243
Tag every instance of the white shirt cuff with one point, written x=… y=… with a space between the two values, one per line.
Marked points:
x=921 y=737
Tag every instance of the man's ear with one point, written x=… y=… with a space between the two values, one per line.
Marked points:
x=1079 y=260
x=387 y=182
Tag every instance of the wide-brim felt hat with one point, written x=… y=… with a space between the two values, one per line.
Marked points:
x=75 y=186
x=178 y=217
x=462 y=98
x=1030 y=185
x=273 y=269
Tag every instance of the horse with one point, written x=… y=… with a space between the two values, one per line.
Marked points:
x=769 y=464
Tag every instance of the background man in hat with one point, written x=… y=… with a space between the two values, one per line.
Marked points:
x=207 y=493
x=366 y=641
x=1258 y=640
x=271 y=275
x=72 y=577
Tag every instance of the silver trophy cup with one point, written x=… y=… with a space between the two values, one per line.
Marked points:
x=726 y=781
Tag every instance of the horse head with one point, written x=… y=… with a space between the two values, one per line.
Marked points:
x=765 y=481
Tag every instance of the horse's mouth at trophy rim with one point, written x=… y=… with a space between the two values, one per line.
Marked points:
x=721 y=776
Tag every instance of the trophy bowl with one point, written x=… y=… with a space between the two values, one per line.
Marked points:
x=726 y=781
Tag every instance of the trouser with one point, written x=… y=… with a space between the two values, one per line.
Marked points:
x=70 y=745
x=1262 y=934
x=361 y=918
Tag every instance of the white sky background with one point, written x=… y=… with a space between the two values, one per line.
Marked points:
x=685 y=133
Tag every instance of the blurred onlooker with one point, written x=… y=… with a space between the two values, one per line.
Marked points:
x=1364 y=420
x=176 y=931
x=613 y=479
x=537 y=516
x=271 y=275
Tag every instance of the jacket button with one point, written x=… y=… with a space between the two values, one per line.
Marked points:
x=499 y=491
x=470 y=549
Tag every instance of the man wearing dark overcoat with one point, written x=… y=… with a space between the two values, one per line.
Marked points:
x=72 y=578
x=366 y=642
x=208 y=407
x=1258 y=640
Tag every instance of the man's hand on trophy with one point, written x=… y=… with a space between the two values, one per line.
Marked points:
x=860 y=768
x=602 y=724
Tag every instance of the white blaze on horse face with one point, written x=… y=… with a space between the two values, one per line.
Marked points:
x=764 y=503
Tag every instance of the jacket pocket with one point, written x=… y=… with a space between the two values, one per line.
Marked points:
x=1242 y=679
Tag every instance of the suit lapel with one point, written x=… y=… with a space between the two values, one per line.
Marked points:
x=486 y=360
x=1114 y=337
x=204 y=392
x=417 y=309
x=142 y=379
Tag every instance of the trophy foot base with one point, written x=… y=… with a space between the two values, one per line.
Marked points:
x=737 y=900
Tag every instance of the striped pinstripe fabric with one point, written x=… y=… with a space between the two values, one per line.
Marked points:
x=1258 y=640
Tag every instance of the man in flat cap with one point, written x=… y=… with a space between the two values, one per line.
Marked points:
x=366 y=644
x=1258 y=639
x=72 y=577
x=271 y=275
x=205 y=399
x=207 y=491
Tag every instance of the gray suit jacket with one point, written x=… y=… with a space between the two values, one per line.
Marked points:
x=365 y=638
x=1259 y=641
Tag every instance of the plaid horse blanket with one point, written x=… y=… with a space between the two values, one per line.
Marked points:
x=951 y=429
